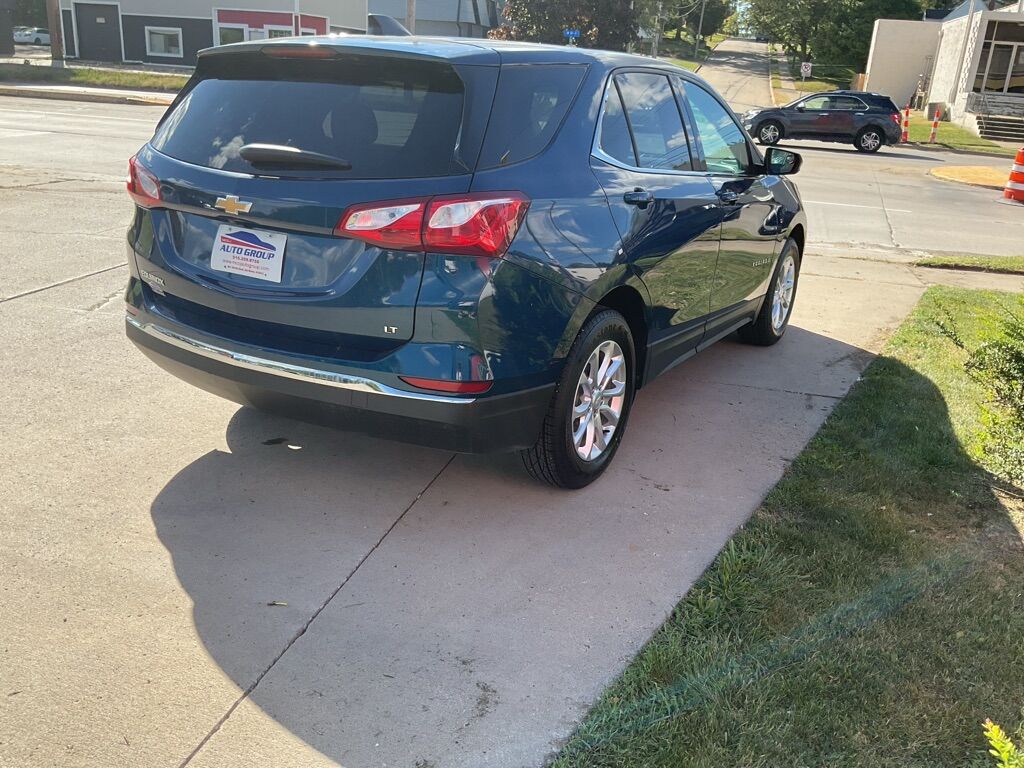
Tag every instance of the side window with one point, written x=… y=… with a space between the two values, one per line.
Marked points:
x=724 y=143
x=653 y=117
x=615 y=141
x=816 y=102
x=846 y=104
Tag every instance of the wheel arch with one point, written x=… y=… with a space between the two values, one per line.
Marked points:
x=628 y=302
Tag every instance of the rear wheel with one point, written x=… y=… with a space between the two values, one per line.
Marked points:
x=769 y=133
x=590 y=407
x=869 y=140
x=773 y=319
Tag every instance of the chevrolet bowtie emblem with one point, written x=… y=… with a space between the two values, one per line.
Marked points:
x=232 y=205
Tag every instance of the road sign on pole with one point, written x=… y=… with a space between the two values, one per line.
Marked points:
x=571 y=36
x=805 y=69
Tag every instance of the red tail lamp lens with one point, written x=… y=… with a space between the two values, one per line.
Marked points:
x=143 y=186
x=474 y=225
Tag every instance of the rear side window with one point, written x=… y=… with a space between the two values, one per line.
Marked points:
x=655 y=121
x=389 y=118
x=529 y=105
x=846 y=104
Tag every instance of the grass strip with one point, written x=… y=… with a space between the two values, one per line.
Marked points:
x=1007 y=265
x=871 y=613
x=86 y=77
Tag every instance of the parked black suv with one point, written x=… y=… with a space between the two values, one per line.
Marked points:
x=869 y=120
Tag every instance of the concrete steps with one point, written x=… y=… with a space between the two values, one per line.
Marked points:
x=998 y=128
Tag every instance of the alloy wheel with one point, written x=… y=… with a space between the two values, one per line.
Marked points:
x=600 y=397
x=769 y=134
x=782 y=297
x=870 y=141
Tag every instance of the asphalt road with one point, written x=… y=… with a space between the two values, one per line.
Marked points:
x=185 y=582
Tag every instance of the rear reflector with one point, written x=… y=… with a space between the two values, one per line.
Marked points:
x=468 y=225
x=453 y=387
x=143 y=186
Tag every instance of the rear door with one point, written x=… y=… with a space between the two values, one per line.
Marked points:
x=747 y=206
x=846 y=113
x=408 y=128
x=665 y=210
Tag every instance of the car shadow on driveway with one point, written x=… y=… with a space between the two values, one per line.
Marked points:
x=461 y=610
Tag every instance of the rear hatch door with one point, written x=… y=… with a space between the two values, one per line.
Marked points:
x=399 y=126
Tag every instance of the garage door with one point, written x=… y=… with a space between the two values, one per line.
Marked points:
x=99 y=31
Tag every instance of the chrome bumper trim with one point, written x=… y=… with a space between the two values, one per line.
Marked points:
x=286 y=370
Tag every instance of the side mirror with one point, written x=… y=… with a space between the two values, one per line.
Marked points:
x=782 y=162
x=800 y=107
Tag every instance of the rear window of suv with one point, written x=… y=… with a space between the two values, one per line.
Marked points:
x=389 y=118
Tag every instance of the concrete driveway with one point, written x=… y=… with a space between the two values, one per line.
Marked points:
x=189 y=583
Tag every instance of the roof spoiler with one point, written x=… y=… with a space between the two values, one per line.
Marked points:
x=379 y=24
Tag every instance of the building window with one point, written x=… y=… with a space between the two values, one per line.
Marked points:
x=1001 y=65
x=231 y=34
x=279 y=32
x=163 y=41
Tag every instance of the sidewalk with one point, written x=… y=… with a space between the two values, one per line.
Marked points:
x=83 y=93
x=787 y=91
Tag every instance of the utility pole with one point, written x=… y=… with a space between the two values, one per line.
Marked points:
x=56 y=39
x=700 y=30
x=657 y=32
x=410 y=15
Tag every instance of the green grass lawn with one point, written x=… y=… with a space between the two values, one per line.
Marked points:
x=952 y=136
x=825 y=77
x=680 y=52
x=871 y=613
x=105 y=78
x=1013 y=265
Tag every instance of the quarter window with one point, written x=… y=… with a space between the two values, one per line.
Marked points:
x=653 y=117
x=724 y=143
x=846 y=104
x=615 y=140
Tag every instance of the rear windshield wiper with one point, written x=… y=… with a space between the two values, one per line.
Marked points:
x=283 y=156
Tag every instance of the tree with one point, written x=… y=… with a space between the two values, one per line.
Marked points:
x=30 y=13
x=609 y=24
x=715 y=14
x=844 y=38
x=791 y=23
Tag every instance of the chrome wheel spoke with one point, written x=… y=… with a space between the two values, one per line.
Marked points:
x=599 y=400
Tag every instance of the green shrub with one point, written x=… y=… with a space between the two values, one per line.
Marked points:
x=998 y=365
x=1003 y=749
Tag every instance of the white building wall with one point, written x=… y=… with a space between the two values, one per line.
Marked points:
x=944 y=75
x=342 y=13
x=901 y=52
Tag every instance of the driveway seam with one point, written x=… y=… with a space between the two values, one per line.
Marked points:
x=770 y=389
x=302 y=630
x=61 y=282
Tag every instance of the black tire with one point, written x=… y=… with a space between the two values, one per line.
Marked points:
x=38 y=41
x=554 y=458
x=774 y=130
x=869 y=139
x=763 y=332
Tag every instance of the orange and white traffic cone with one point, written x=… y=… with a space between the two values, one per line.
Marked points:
x=935 y=128
x=1015 y=186
x=906 y=126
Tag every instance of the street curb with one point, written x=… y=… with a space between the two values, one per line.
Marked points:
x=941 y=148
x=161 y=100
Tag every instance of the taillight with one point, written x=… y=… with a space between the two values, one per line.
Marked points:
x=476 y=225
x=469 y=225
x=454 y=387
x=397 y=224
x=896 y=118
x=143 y=186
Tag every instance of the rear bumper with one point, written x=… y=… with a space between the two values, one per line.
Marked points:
x=343 y=399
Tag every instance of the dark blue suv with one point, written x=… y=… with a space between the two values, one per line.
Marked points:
x=473 y=245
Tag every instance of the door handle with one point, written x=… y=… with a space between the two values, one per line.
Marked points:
x=639 y=197
x=728 y=196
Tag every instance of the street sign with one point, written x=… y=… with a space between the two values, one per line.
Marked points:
x=571 y=34
x=805 y=69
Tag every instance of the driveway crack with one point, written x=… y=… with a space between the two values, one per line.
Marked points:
x=302 y=630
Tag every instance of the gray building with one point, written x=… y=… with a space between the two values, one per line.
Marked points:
x=161 y=32
x=446 y=18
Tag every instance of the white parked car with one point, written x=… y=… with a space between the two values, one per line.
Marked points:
x=32 y=36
